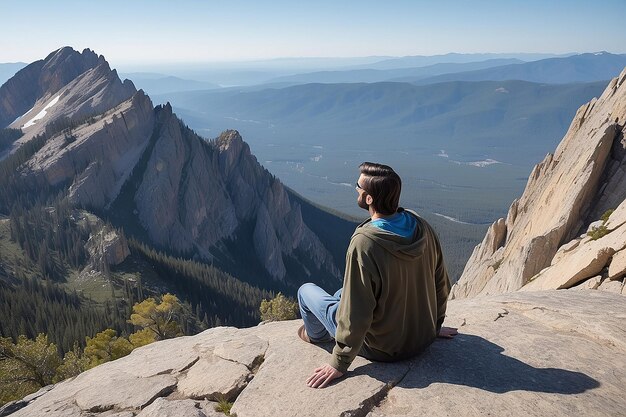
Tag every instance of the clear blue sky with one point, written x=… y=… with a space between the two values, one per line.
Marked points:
x=156 y=31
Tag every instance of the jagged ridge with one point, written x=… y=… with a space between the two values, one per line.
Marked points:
x=565 y=193
x=190 y=196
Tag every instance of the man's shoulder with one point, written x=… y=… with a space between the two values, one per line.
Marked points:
x=360 y=238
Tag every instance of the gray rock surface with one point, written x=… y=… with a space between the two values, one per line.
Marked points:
x=174 y=408
x=102 y=155
x=248 y=350
x=122 y=391
x=46 y=76
x=107 y=246
x=279 y=389
x=557 y=353
x=565 y=193
x=617 y=269
x=214 y=378
x=532 y=354
x=611 y=286
x=195 y=196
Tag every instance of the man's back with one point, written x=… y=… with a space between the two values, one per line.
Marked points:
x=395 y=288
x=394 y=294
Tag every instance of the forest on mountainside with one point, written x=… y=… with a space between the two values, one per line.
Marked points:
x=50 y=285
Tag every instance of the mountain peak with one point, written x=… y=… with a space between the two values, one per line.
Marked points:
x=43 y=78
x=229 y=139
x=87 y=58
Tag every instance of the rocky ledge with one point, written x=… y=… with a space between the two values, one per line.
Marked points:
x=557 y=353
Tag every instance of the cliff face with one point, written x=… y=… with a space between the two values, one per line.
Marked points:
x=125 y=159
x=497 y=365
x=196 y=194
x=100 y=154
x=565 y=193
x=42 y=78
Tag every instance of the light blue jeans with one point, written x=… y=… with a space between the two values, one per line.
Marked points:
x=318 y=310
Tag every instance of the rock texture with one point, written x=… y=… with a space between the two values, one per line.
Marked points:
x=85 y=86
x=43 y=77
x=565 y=193
x=118 y=155
x=107 y=246
x=556 y=353
x=195 y=195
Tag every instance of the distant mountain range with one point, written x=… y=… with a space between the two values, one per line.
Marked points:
x=577 y=68
x=370 y=75
x=454 y=58
x=555 y=70
x=415 y=69
x=467 y=115
x=153 y=83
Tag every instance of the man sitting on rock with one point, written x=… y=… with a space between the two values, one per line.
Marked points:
x=393 y=300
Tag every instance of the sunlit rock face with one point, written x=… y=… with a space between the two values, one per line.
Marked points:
x=565 y=193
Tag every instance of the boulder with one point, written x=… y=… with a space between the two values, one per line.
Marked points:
x=617 y=269
x=594 y=225
x=611 y=286
x=618 y=217
x=586 y=261
x=591 y=284
x=107 y=246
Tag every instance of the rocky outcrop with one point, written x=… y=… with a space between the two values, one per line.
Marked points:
x=598 y=256
x=565 y=193
x=42 y=78
x=513 y=356
x=108 y=247
x=92 y=93
x=195 y=194
x=100 y=155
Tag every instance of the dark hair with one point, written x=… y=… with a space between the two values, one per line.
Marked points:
x=383 y=184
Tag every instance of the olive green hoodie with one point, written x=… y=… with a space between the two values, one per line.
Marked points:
x=394 y=295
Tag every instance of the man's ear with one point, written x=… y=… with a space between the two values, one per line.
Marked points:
x=369 y=200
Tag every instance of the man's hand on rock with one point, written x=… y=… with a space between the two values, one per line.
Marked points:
x=447 y=332
x=322 y=376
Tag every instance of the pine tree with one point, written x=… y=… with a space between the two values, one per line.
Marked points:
x=159 y=318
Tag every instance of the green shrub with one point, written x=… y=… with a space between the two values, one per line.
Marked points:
x=606 y=215
x=497 y=264
x=224 y=406
x=279 y=308
x=597 y=232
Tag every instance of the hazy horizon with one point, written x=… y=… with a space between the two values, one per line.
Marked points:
x=157 y=32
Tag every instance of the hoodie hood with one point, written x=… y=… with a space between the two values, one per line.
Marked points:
x=401 y=247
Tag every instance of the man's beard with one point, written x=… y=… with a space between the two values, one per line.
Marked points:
x=361 y=201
